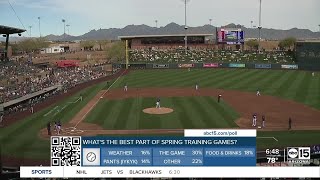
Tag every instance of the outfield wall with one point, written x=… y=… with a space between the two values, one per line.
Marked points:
x=210 y=65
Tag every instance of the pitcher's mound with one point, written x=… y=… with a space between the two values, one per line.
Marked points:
x=162 y=110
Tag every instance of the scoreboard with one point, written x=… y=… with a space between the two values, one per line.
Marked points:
x=230 y=36
x=199 y=153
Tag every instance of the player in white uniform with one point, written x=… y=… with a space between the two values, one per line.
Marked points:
x=312 y=73
x=59 y=128
x=125 y=88
x=258 y=93
x=197 y=87
x=254 y=120
x=158 y=103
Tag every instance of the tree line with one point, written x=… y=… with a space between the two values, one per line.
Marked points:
x=284 y=44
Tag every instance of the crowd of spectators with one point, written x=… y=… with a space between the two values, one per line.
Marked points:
x=19 y=79
x=209 y=55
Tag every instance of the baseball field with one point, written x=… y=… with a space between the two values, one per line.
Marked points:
x=106 y=109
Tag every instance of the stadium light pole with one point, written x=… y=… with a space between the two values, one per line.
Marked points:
x=185 y=26
x=319 y=27
x=30 y=27
x=210 y=20
x=64 y=28
x=68 y=25
x=251 y=24
x=259 y=26
x=156 y=21
x=39 y=27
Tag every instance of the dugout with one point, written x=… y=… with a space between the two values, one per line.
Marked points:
x=308 y=55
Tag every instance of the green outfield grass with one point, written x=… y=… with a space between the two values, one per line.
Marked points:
x=189 y=112
x=21 y=139
x=299 y=86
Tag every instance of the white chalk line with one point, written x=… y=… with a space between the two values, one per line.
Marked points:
x=268 y=138
x=59 y=110
x=73 y=102
x=98 y=99
x=50 y=111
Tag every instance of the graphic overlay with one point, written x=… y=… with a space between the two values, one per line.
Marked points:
x=209 y=153
x=65 y=151
x=298 y=155
x=274 y=156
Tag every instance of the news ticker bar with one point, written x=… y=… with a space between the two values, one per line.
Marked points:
x=165 y=172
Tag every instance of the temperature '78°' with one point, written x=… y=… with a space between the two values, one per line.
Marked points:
x=272 y=159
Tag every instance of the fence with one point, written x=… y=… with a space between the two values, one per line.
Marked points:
x=209 y=65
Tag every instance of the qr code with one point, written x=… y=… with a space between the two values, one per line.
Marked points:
x=65 y=151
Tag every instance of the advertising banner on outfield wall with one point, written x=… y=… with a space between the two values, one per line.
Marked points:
x=283 y=66
x=160 y=66
x=232 y=65
x=210 y=65
x=185 y=65
x=262 y=66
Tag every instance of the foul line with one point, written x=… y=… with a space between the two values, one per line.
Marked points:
x=99 y=99
x=268 y=138
x=74 y=101
x=59 y=110
x=50 y=111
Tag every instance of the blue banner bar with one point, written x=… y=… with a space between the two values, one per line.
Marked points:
x=137 y=142
x=169 y=151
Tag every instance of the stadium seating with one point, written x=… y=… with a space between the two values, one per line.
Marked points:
x=18 y=79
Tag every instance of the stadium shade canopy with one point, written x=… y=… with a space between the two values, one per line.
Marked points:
x=10 y=30
x=164 y=35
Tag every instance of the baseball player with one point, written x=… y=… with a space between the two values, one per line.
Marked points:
x=126 y=87
x=55 y=126
x=290 y=122
x=258 y=92
x=80 y=97
x=219 y=97
x=313 y=74
x=31 y=109
x=263 y=121
x=1 y=118
x=49 y=128
x=254 y=120
x=197 y=87
x=58 y=127
x=158 y=103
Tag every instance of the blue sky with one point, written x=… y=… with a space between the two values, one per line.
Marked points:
x=85 y=15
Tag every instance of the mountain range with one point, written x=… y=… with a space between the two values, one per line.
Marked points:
x=173 y=28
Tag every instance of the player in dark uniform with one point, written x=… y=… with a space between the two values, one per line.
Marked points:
x=49 y=128
x=263 y=121
x=290 y=122
x=219 y=97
